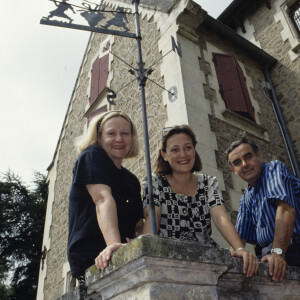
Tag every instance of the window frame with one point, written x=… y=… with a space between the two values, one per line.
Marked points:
x=294 y=14
x=239 y=90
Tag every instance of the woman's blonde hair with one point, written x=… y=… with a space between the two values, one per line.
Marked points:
x=95 y=128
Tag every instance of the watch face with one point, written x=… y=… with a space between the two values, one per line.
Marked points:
x=277 y=251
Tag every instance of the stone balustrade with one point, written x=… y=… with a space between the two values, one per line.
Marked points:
x=152 y=267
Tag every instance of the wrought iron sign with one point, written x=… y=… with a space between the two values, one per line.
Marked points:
x=89 y=16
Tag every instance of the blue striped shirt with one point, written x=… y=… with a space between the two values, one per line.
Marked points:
x=257 y=210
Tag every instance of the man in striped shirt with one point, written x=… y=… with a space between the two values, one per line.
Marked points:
x=269 y=211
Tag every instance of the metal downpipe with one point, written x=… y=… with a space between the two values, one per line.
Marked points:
x=281 y=123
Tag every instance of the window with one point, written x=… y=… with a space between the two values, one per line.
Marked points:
x=99 y=80
x=233 y=87
x=98 y=111
x=99 y=71
x=288 y=15
x=295 y=15
x=99 y=76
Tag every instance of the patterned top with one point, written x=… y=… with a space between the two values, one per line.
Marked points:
x=256 y=217
x=185 y=217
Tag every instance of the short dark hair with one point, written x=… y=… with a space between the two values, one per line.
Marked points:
x=163 y=167
x=237 y=143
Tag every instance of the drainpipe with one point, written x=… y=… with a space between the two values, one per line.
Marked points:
x=281 y=123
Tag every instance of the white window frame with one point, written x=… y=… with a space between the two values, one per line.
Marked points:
x=289 y=33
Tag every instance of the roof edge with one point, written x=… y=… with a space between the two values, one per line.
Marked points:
x=228 y=10
x=260 y=55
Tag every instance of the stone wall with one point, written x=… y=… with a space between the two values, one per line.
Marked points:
x=227 y=126
x=275 y=34
x=152 y=267
x=129 y=99
x=57 y=253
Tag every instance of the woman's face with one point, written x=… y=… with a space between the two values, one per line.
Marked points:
x=116 y=139
x=180 y=153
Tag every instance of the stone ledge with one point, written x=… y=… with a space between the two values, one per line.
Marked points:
x=151 y=263
x=244 y=123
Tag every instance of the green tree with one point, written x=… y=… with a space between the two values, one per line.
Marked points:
x=6 y=292
x=21 y=231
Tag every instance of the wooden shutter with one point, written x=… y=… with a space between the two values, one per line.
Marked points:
x=99 y=77
x=247 y=99
x=95 y=80
x=232 y=85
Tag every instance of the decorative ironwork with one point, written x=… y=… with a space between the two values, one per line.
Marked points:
x=89 y=16
x=43 y=256
x=173 y=94
x=111 y=95
x=62 y=7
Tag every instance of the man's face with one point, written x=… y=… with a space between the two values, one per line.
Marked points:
x=245 y=163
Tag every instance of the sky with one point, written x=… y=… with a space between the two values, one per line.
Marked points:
x=39 y=65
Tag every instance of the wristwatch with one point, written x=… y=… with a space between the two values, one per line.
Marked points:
x=278 y=251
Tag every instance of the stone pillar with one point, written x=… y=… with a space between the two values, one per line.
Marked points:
x=152 y=267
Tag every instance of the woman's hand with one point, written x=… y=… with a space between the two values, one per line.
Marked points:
x=106 y=211
x=101 y=261
x=147 y=224
x=224 y=225
x=250 y=266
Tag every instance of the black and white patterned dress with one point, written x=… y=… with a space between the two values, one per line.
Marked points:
x=185 y=217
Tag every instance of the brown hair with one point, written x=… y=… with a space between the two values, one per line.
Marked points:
x=163 y=167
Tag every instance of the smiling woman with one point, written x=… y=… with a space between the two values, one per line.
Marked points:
x=185 y=200
x=116 y=139
x=105 y=207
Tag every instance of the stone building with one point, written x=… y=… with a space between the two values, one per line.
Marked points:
x=201 y=59
x=274 y=26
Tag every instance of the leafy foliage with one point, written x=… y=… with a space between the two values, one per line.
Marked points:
x=21 y=231
x=5 y=291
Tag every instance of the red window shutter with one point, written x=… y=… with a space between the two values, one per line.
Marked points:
x=233 y=86
x=247 y=99
x=95 y=80
x=103 y=72
x=99 y=77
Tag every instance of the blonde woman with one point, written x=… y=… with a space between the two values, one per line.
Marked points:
x=105 y=204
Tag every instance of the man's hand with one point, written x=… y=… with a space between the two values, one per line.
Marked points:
x=277 y=266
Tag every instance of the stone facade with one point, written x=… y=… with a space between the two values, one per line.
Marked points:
x=272 y=30
x=214 y=125
x=228 y=126
x=191 y=70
